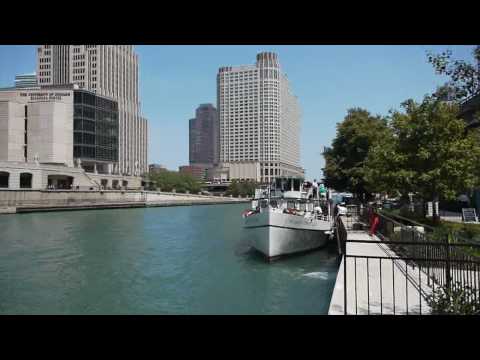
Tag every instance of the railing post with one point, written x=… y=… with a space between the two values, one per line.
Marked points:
x=345 y=284
x=447 y=262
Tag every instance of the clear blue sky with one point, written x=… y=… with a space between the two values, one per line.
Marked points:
x=328 y=80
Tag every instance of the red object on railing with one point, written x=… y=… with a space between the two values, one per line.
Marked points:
x=374 y=221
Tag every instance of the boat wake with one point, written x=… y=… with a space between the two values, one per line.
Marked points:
x=317 y=275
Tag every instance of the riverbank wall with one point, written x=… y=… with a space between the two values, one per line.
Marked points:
x=18 y=201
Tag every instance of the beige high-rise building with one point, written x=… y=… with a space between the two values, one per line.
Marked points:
x=108 y=70
x=259 y=121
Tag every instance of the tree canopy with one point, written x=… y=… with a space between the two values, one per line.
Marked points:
x=243 y=188
x=344 y=161
x=428 y=152
x=464 y=76
x=181 y=182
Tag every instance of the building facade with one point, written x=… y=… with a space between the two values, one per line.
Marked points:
x=259 y=120
x=23 y=81
x=156 y=168
x=36 y=126
x=204 y=136
x=55 y=136
x=107 y=70
x=198 y=172
x=96 y=131
x=470 y=111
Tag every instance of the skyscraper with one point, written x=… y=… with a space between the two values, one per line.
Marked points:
x=108 y=70
x=26 y=81
x=203 y=136
x=259 y=121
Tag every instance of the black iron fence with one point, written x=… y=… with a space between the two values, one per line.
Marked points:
x=407 y=265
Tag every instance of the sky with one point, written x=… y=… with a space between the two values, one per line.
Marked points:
x=328 y=80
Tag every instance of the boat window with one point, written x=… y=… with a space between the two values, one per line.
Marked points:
x=291 y=204
x=263 y=203
x=296 y=184
x=273 y=203
x=302 y=206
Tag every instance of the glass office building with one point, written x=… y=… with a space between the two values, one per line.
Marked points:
x=95 y=124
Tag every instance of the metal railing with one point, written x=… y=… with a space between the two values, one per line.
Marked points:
x=415 y=261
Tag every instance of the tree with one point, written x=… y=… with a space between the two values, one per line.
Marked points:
x=428 y=153
x=169 y=180
x=243 y=188
x=384 y=170
x=344 y=161
x=464 y=77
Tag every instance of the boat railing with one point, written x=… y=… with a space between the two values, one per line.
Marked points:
x=294 y=205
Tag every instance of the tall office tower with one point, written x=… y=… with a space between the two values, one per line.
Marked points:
x=23 y=81
x=259 y=121
x=108 y=70
x=203 y=136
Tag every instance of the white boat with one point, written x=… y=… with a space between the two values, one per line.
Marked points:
x=284 y=219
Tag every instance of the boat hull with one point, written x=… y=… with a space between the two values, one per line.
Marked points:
x=277 y=234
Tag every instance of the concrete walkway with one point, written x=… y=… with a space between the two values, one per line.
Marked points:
x=451 y=216
x=386 y=289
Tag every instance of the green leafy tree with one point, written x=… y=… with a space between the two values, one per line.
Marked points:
x=169 y=180
x=384 y=171
x=428 y=153
x=344 y=161
x=464 y=76
x=233 y=189
x=243 y=188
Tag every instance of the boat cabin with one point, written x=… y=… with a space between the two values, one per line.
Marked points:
x=291 y=188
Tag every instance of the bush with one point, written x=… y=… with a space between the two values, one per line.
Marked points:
x=454 y=301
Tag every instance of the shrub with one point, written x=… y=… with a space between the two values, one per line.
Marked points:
x=454 y=300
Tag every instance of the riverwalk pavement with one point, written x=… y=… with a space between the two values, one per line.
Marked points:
x=451 y=216
x=390 y=286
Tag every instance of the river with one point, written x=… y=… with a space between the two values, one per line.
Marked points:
x=172 y=260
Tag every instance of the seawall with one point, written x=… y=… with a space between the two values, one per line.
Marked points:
x=21 y=201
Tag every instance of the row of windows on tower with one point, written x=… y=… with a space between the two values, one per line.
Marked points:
x=237 y=93
x=240 y=74
x=248 y=107
x=250 y=85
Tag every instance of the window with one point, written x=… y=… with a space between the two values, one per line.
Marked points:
x=26 y=180
x=4 y=177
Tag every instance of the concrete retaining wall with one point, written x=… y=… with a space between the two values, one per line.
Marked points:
x=59 y=197
x=65 y=197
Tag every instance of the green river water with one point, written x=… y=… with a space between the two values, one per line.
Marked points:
x=171 y=260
